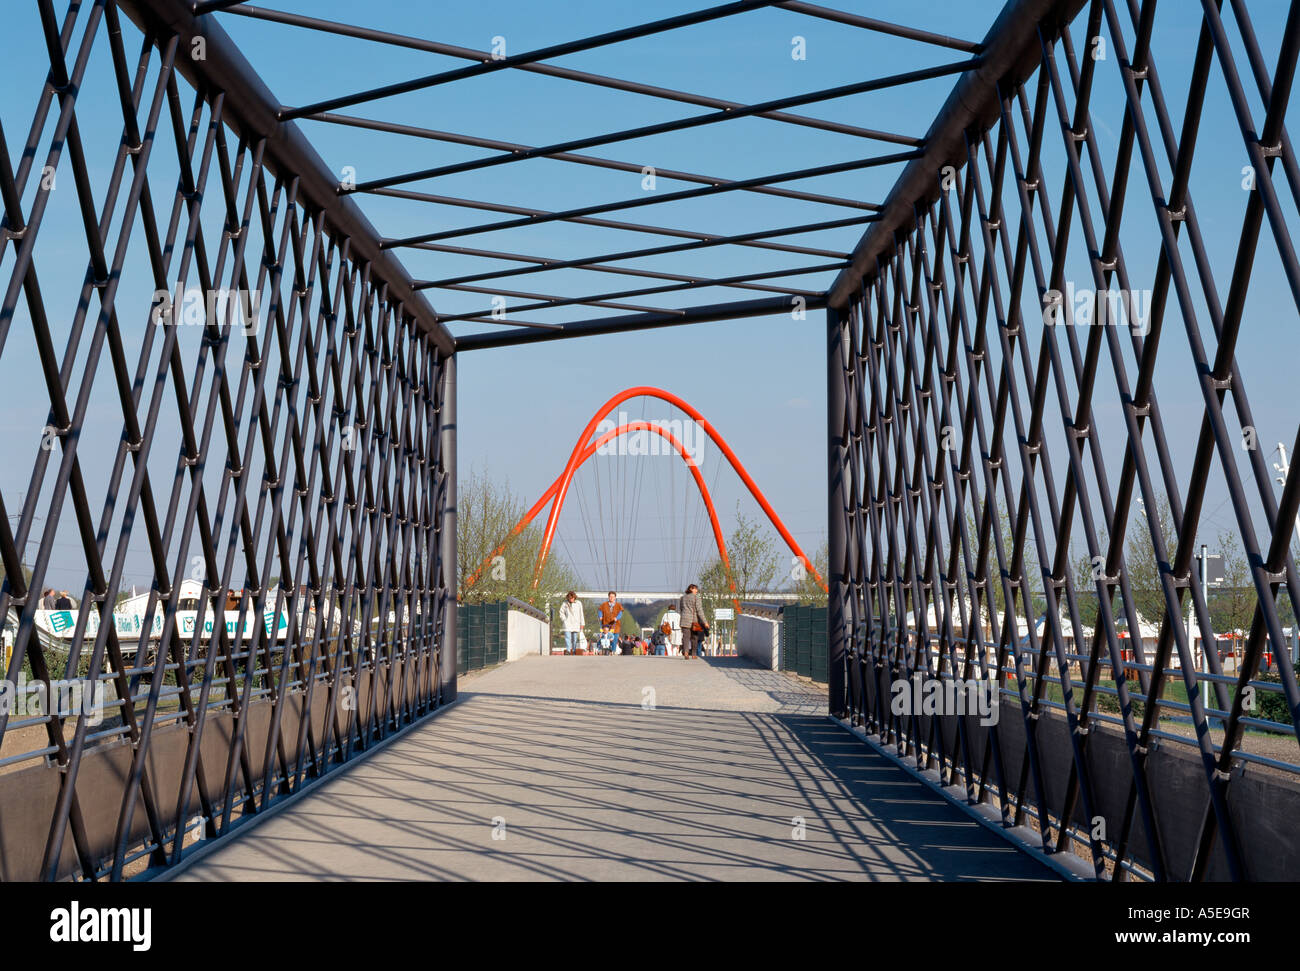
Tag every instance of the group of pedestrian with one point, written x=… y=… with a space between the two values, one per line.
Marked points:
x=52 y=599
x=681 y=632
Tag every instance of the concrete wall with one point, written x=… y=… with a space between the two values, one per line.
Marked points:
x=758 y=635
x=526 y=634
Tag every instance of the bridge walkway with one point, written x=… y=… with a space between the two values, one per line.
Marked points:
x=560 y=768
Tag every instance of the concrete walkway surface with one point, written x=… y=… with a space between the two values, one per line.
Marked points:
x=609 y=768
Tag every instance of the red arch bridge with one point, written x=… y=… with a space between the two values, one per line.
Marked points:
x=231 y=378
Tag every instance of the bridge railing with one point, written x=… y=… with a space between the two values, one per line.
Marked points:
x=995 y=374
x=245 y=392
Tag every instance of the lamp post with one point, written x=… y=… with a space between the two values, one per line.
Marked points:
x=1283 y=469
x=1202 y=561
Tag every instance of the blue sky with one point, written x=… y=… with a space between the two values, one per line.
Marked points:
x=760 y=381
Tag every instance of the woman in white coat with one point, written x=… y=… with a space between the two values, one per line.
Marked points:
x=674 y=620
x=571 y=622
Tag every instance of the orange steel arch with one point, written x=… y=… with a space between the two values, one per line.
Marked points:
x=575 y=460
x=587 y=453
x=583 y=452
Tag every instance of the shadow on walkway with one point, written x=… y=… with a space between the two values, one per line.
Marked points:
x=508 y=786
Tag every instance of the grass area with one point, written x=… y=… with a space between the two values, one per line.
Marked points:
x=1269 y=706
x=1174 y=690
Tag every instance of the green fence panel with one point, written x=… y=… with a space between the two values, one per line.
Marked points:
x=482 y=635
x=496 y=625
x=803 y=643
x=505 y=632
x=462 y=637
x=818 y=664
x=474 y=649
x=489 y=634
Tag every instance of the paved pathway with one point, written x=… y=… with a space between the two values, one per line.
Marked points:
x=608 y=768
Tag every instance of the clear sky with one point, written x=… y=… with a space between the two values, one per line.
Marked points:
x=636 y=522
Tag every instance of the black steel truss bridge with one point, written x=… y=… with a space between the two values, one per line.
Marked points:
x=986 y=428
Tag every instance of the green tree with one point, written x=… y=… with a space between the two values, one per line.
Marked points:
x=492 y=563
x=804 y=583
x=753 y=552
x=1003 y=534
x=1085 y=571
x=1285 y=609
x=1085 y=584
x=1142 y=563
x=1232 y=604
x=27 y=574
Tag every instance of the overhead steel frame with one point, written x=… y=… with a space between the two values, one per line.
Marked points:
x=317 y=445
x=510 y=153
x=912 y=358
x=937 y=402
x=325 y=459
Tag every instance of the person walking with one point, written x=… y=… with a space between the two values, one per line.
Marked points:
x=694 y=626
x=659 y=643
x=571 y=621
x=672 y=630
x=611 y=614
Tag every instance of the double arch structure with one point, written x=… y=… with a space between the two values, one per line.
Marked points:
x=585 y=448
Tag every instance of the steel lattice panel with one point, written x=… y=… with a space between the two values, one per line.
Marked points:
x=304 y=468
x=949 y=362
x=305 y=445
